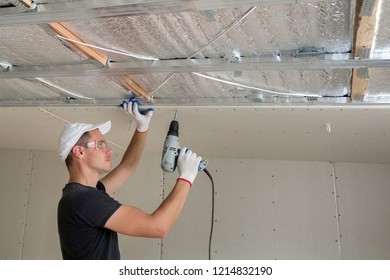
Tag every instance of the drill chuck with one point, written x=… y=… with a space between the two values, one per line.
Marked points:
x=174 y=128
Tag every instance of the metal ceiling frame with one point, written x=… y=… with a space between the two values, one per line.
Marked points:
x=86 y=9
x=331 y=61
x=266 y=100
x=126 y=81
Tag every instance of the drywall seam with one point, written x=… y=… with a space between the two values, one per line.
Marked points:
x=337 y=216
x=27 y=204
x=162 y=195
x=274 y=202
x=67 y=121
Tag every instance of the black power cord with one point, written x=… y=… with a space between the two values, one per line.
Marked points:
x=212 y=210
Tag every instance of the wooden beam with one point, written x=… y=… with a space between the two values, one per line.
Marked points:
x=364 y=35
x=129 y=83
x=27 y=3
x=64 y=30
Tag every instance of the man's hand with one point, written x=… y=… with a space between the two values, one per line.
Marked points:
x=188 y=164
x=142 y=118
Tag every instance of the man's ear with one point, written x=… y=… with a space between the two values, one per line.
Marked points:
x=78 y=152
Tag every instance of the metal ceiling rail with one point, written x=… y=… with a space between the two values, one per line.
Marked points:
x=268 y=100
x=86 y=9
x=193 y=65
x=247 y=101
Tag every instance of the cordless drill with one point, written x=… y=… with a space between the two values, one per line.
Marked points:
x=171 y=149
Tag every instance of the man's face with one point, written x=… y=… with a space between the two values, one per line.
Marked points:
x=98 y=154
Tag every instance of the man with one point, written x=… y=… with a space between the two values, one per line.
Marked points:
x=88 y=217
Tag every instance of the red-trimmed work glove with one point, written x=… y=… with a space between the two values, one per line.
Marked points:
x=188 y=164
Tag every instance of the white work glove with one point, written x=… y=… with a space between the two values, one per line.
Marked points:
x=188 y=165
x=142 y=118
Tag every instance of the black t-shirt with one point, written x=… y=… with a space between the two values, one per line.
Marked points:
x=81 y=216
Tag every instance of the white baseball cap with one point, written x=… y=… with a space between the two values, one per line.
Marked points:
x=72 y=133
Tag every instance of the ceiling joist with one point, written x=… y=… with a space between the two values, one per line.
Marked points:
x=62 y=29
x=357 y=63
x=365 y=21
x=126 y=81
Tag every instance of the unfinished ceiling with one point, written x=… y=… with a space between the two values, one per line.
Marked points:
x=264 y=79
x=55 y=53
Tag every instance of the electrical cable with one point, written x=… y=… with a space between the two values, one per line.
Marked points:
x=212 y=210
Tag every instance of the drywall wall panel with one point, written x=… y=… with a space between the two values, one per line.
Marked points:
x=244 y=215
x=263 y=210
x=143 y=190
x=15 y=172
x=41 y=195
x=364 y=195
x=189 y=237
x=49 y=175
x=275 y=210
x=304 y=210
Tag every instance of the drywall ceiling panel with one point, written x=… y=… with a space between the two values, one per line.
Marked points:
x=31 y=45
x=283 y=133
x=345 y=134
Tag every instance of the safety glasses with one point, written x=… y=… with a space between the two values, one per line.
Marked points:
x=99 y=145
